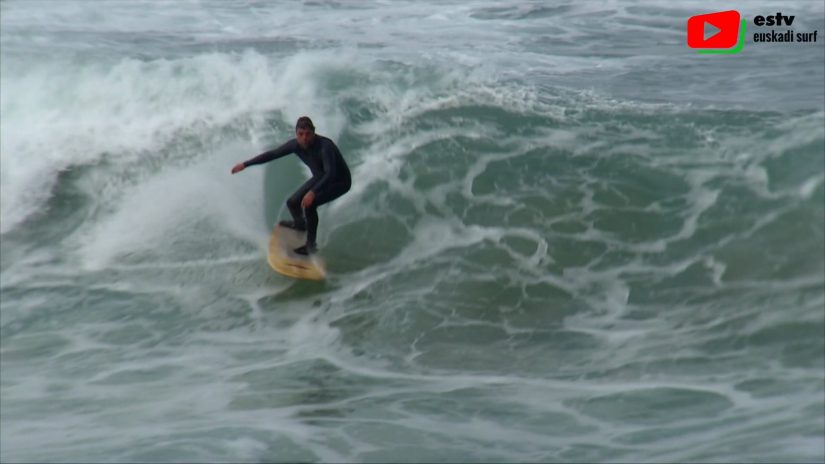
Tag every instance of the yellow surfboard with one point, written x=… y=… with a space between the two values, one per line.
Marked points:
x=285 y=261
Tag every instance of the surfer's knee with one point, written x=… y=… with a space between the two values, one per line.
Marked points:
x=293 y=203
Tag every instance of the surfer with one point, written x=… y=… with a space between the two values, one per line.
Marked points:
x=330 y=178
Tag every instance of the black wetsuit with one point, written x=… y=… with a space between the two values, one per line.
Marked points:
x=330 y=178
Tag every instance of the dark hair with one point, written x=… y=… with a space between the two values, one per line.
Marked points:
x=304 y=123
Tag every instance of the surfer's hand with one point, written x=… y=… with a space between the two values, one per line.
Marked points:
x=308 y=199
x=238 y=168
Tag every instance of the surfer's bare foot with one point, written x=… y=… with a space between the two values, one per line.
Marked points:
x=306 y=250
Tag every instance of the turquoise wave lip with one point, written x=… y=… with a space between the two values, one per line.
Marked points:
x=736 y=49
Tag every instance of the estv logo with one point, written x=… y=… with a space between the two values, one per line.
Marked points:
x=727 y=33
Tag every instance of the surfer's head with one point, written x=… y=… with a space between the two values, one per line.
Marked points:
x=304 y=131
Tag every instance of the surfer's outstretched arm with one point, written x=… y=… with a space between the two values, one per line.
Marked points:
x=267 y=156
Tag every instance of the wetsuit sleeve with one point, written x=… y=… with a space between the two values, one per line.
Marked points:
x=328 y=162
x=265 y=157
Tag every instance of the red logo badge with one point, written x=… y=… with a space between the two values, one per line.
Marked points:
x=724 y=34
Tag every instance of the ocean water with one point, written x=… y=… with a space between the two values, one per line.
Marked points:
x=570 y=238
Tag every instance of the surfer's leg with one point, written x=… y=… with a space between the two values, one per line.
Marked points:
x=325 y=196
x=293 y=203
x=311 y=214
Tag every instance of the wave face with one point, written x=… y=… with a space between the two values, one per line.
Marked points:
x=569 y=238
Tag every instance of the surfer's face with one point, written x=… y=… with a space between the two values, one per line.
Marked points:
x=305 y=137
